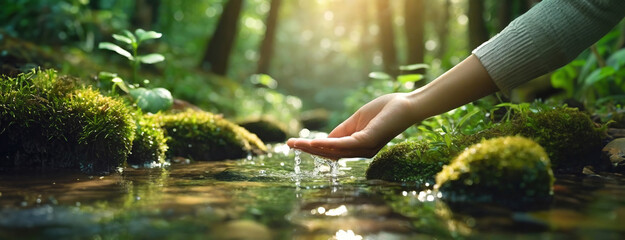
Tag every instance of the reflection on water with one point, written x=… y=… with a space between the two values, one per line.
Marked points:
x=275 y=197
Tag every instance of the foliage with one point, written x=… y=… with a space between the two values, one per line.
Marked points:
x=206 y=137
x=149 y=100
x=49 y=122
x=64 y=22
x=510 y=171
x=593 y=79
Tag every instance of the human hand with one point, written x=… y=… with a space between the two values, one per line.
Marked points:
x=366 y=131
x=377 y=122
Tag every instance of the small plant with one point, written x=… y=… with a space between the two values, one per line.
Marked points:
x=403 y=81
x=134 y=41
x=150 y=100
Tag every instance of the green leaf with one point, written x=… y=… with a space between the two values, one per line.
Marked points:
x=122 y=38
x=135 y=93
x=409 y=78
x=130 y=36
x=146 y=35
x=106 y=75
x=118 y=82
x=562 y=78
x=380 y=76
x=115 y=48
x=617 y=59
x=153 y=100
x=598 y=75
x=151 y=58
x=413 y=67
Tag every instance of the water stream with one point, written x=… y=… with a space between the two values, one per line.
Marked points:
x=286 y=195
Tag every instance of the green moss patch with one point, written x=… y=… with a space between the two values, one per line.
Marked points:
x=509 y=171
x=409 y=162
x=49 y=122
x=206 y=136
x=150 y=144
x=569 y=136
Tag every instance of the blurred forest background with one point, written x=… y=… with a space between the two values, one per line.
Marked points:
x=283 y=58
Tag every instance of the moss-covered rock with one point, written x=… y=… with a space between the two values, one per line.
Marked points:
x=206 y=136
x=568 y=135
x=268 y=131
x=150 y=144
x=509 y=171
x=49 y=122
x=409 y=161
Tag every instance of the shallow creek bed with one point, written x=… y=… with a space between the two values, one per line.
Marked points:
x=264 y=198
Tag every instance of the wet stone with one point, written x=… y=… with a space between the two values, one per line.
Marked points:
x=615 y=152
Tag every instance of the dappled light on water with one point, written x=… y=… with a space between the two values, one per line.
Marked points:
x=264 y=195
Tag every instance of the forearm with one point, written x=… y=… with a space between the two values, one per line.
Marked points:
x=545 y=38
x=466 y=82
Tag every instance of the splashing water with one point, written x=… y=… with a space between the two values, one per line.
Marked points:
x=298 y=161
x=321 y=165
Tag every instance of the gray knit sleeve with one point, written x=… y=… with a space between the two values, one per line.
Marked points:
x=548 y=36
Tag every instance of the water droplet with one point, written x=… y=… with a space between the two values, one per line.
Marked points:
x=77 y=204
x=189 y=145
x=174 y=130
x=24 y=203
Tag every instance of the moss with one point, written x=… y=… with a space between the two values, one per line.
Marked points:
x=509 y=171
x=50 y=122
x=569 y=136
x=150 y=144
x=266 y=130
x=206 y=136
x=409 y=161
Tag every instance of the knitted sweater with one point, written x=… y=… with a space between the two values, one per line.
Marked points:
x=548 y=36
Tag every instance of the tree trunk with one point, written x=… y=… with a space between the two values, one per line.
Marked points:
x=477 y=29
x=442 y=30
x=414 y=25
x=386 y=37
x=146 y=13
x=217 y=52
x=505 y=14
x=266 y=47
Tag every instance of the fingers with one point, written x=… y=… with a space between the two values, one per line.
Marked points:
x=333 y=148
x=335 y=154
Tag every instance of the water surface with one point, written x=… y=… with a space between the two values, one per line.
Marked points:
x=263 y=198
